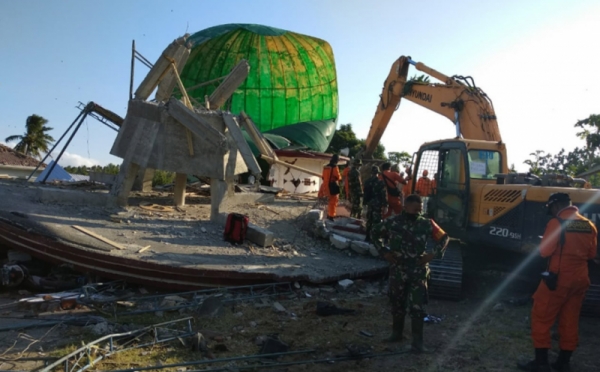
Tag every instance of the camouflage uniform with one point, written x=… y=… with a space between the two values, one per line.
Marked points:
x=407 y=242
x=378 y=199
x=356 y=192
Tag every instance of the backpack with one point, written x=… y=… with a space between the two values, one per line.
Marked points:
x=235 y=228
x=392 y=191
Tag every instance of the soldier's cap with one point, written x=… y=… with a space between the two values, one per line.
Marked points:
x=374 y=169
x=559 y=197
x=357 y=161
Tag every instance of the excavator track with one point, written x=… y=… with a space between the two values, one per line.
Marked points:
x=591 y=303
x=446 y=275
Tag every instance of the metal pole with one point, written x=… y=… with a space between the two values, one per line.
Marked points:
x=132 y=67
x=66 y=145
x=56 y=144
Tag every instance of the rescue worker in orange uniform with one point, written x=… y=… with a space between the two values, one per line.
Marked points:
x=570 y=240
x=345 y=182
x=331 y=178
x=424 y=185
x=392 y=180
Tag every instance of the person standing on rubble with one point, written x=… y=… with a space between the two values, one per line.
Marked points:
x=331 y=178
x=375 y=200
x=392 y=181
x=407 y=235
x=356 y=189
x=570 y=240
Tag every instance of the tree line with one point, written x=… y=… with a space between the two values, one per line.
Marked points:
x=574 y=162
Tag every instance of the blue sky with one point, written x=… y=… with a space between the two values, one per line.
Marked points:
x=535 y=59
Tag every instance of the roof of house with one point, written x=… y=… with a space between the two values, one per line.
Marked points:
x=9 y=156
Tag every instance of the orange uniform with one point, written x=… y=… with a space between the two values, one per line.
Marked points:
x=346 y=183
x=391 y=179
x=424 y=186
x=331 y=175
x=573 y=281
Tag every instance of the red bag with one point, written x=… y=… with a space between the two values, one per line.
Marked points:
x=235 y=228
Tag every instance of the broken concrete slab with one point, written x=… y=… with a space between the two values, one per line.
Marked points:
x=361 y=247
x=373 y=251
x=243 y=147
x=339 y=241
x=232 y=81
x=259 y=236
x=348 y=235
x=160 y=68
x=169 y=151
x=197 y=125
x=74 y=197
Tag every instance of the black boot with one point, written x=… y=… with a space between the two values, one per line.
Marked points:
x=417 y=336
x=539 y=364
x=563 y=362
x=397 y=329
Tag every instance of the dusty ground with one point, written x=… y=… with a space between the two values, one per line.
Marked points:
x=474 y=334
x=187 y=238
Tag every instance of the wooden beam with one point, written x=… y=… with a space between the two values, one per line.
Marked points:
x=242 y=145
x=99 y=237
x=259 y=140
x=233 y=80
x=277 y=161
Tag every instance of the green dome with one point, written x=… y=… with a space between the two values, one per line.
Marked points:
x=292 y=77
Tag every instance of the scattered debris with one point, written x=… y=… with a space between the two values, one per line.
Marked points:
x=278 y=307
x=345 y=284
x=432 y=319
x=326 y=309
x=273 y=344
x=99 y=237
x=211 y=307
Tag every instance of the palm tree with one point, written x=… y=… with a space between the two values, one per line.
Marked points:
x=36 y=140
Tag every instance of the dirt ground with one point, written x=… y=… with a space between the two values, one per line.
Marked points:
x=483 y=332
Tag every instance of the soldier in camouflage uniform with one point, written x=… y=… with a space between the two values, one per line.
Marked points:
x=356 y=189
x=375 y=199
x=407 y=234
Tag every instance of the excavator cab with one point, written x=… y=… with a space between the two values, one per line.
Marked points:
x=451 y=167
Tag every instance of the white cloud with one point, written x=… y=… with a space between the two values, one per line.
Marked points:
x=74 y=160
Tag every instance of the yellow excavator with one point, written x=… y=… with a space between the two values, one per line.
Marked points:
x=492 y=212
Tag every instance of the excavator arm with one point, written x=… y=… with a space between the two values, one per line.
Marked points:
x=456 y=98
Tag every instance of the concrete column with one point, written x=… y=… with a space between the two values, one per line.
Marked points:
x=219 y=191
x=143 y=181
x=180 y=184
x=124 y=182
